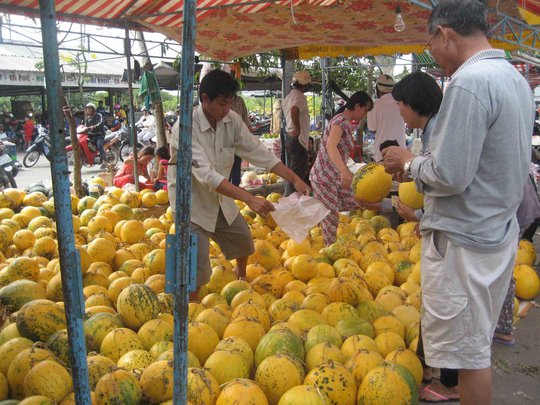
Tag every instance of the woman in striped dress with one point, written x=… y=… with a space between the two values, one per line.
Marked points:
x=330 y=177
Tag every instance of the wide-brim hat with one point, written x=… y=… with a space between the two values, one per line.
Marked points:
x=385 y=84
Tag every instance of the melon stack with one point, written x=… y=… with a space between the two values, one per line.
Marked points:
x=309 y=325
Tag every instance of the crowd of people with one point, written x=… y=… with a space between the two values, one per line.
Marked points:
x=473 y=170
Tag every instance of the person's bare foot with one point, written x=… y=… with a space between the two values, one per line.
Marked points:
x=428 y=375
x=504 y=339
x=437 y=392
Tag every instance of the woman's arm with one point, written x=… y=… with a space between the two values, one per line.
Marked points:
x=336 y=132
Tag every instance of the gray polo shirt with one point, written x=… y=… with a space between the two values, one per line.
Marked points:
x=480 y=153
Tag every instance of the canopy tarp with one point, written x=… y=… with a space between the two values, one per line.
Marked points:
x=228 y=29
x=530 y=11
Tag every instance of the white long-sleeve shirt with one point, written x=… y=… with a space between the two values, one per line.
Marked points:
x=213 y=157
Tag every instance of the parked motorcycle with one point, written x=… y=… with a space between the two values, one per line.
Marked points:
x=41 y=146
x=89 y=150
x=8 y=168
x=125 y=144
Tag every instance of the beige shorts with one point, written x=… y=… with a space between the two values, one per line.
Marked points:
x=234 y=240
x=462 y=295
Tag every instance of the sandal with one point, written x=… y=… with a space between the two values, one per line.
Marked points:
x=432 y=396
x=505 y=342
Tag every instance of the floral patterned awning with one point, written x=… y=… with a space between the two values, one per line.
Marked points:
x=227 y=29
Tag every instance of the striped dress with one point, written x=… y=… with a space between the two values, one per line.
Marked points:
x=326 y=180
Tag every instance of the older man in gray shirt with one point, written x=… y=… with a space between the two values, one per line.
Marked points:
x=473 y=183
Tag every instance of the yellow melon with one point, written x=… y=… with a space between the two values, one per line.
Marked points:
x=527 y=282
x=132 y=231
x=371 y=182
x=409 y=196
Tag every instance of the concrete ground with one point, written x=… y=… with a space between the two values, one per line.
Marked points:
x=41 y=172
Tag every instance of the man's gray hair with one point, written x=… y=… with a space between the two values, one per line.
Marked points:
x=466 y=17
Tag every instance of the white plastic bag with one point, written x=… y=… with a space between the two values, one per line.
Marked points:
x=297 y=214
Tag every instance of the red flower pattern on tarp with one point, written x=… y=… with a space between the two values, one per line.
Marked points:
x=388 y=29
x=258 y=33
x=208 y=33
x=361 y=5
x=304 y=18
x=276 y=21
x=331 y=26
x=223 y=55
x=232 y=36
x=301 y=28
x=365 y=25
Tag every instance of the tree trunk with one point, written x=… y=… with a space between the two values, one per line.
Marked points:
x=158 y=106
x=77 y=178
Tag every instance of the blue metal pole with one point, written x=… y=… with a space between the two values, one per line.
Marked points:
x=69 y=256
x=132 y=130
x=183 y=204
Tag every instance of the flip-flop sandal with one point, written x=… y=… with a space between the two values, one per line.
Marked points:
x=440 y=397
x=504 y=341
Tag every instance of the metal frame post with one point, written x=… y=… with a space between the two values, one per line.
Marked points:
x=69 y=256
x=132 y=131
x=183 y=204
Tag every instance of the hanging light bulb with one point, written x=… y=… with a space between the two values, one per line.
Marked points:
x=399 y=24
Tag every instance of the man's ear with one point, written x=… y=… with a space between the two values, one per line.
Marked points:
x=204 y=98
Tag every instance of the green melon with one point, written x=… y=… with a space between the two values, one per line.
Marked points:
x=279 y=342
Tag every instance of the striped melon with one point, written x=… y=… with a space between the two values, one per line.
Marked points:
x=118 y=342
x=388 y=384
x=303 y=395
x=227 y=365
x=9 y=332
x=135 y=359
x=323 y=353
x=50 y=379
x=202 y=387
x=155 y=330
x=19 y=292
x=58 y=344
x=10 y=349
x=21 y=365
x=118 y=387
x=37 y=400
x=248 y=390
x=362 y=363
x=23 y=267
x=202 y=340
x=277 y=374
x=98 y=366
x=157 y=382
x=136 y=305
x=237 y=344
x=279 y=342
x=371 y=182
x=322 y=334
x=335 y=381
x=39 y=319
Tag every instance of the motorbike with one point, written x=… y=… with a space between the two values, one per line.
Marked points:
x=89 y=150
x=260 y=124
x=8 y=168
x=41 y=146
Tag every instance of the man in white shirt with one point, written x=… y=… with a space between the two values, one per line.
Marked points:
x=147 y=123
x=384 y=119
x=296 y=112
x=217 y=135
